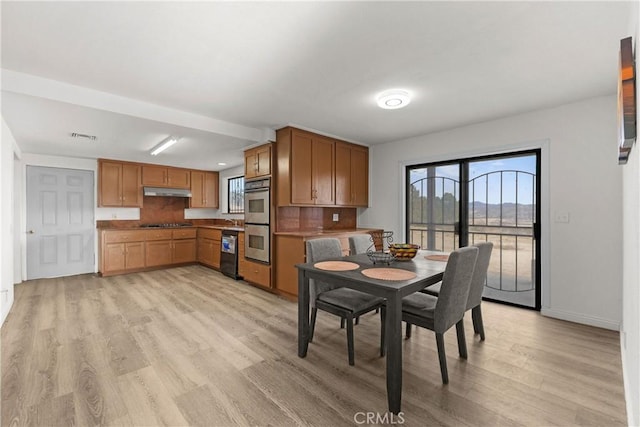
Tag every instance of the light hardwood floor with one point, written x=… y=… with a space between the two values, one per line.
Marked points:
x=188 y=346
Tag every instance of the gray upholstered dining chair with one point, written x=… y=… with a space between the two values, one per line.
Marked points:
x=440 y=313
x=344 y=302
x=360 y=244
x=477 y=286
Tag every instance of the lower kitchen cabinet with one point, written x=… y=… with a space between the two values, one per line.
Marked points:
x=158 y=253
x=123 y=256
x=290 y=249
x=257 y=273
x=124 y=251
x=209 y=241
x=184 y=251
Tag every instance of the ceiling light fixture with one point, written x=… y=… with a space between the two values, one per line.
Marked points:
x=83 y=136
x=222 y=164
x=166 y=143
x=393 y=99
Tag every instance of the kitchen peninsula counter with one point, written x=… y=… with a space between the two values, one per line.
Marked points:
x=290 y=249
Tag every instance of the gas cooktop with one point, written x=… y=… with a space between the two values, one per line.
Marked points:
x=167 y=225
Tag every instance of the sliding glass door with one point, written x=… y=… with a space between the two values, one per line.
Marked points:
x=459 y=203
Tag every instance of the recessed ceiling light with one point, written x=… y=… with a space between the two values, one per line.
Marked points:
x=222 y=164
x=393 y=99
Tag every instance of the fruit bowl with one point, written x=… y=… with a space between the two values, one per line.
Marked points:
x=403 y=251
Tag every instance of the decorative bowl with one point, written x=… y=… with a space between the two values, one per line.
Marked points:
x=403 y=251
x=381 y=257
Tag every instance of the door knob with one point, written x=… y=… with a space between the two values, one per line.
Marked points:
x=30 y=232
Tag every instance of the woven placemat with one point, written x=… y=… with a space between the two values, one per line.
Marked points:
x=389 y=274
x=336 y=265
x=437 y=257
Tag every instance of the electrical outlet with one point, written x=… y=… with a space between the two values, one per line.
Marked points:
x=336 y=217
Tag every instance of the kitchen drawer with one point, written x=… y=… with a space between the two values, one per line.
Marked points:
x=124 y=236
x=184 y=233
x=257 y=273
x=210 y=233
x=159 y=234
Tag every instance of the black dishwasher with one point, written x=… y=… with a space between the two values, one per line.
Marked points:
x=229 y=254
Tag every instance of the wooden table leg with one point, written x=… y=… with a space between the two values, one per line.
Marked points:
x=303 y=313
x=394 y=353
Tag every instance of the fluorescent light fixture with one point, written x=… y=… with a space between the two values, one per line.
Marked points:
x=222 y=164
x=393 y=99
x=166 y=143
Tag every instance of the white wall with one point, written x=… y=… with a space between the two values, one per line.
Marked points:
x=7 y=148
x=630 y=336
x=582 y=259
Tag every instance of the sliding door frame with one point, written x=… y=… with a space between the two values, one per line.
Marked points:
x=463 y=206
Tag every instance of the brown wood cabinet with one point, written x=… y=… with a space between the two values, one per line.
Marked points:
x=306 y=168
x=119 y=184
x=204 y=189
x=164 y=176
x=257 y=162
x=157 y=253
x=123 y=256
x=290 y=249
x=124 y=251
x=257 y=273
x=184 y=251
x=352 y=175
x=209 y=241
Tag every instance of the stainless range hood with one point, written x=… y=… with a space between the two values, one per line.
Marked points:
x=166 y=192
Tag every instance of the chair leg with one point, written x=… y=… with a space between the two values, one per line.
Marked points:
x=442 y=357
x=462 y=342
x=350 y=339
x=383 y=317
x=478 y=325
x=314 y=313
x=408 y=331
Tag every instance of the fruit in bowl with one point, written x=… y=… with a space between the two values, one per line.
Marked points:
x=403 y=251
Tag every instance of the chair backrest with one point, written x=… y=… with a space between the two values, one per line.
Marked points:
x=479 y=274
x=320 y=250
x=360 y=243
x=454 y=291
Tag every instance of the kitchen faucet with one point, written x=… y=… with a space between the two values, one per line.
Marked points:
x=233 y=221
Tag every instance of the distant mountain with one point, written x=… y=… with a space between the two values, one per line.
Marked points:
x=507 y=211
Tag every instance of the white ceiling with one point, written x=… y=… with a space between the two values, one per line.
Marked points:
x=223 y=75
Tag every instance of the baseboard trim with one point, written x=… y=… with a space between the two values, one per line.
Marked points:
x=581 y=318
x=5 y=310
x=625 y=380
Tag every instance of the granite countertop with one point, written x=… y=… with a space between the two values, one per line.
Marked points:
x=217 y=227
x=309 y=233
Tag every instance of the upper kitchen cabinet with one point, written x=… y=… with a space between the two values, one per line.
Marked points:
x=352 y=175
x=163 y=176
x=257 y=162
x=306 y=168
x=204 y=189
x=119 y=184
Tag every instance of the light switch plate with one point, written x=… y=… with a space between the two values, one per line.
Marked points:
x=562 y=216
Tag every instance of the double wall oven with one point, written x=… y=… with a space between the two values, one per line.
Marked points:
x=257 y=204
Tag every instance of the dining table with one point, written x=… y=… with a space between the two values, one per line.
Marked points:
x=401 y=279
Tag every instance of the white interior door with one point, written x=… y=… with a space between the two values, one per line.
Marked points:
x=60 y=225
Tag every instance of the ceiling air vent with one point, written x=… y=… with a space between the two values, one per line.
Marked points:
x=84 y=136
